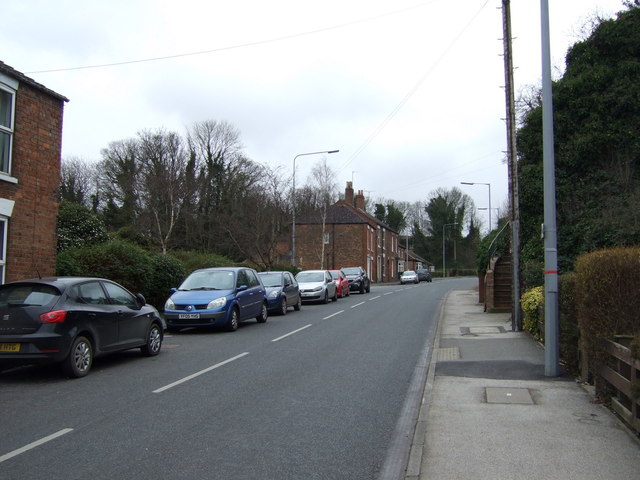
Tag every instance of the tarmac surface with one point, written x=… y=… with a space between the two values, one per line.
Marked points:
x=489 y=412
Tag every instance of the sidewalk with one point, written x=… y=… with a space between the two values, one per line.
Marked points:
x=488 y=411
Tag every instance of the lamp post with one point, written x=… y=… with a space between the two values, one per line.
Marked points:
x=444 y=271
x=293 y=203
x=488 y=185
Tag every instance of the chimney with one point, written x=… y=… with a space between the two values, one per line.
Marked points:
x=359 y=202
x=348 y=193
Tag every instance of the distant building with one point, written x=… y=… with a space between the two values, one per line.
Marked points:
x=351 y=238
x=30 y=150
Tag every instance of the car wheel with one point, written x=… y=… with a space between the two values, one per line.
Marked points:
x=368 y=287
x=263 y=313
x=326 y=297
x=283 y=306
x=80 y=358
x=154 y=341
x=335 y=296
x=362 y=290
x=298 y=304
x=232 y=325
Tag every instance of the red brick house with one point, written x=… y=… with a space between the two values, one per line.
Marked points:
x=352 y=238
x=30 y=150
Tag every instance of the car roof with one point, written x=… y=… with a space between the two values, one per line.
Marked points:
x=60 y=283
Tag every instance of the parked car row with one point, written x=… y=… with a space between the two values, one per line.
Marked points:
x=71 y=320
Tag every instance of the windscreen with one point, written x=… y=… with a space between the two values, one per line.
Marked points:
x=209 y=280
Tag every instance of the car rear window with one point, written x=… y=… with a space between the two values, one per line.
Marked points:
x=27 y=295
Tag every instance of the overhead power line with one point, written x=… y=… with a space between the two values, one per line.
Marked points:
x=234 y=47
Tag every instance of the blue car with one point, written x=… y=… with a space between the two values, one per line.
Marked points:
x=215 y=297
x=282 y=291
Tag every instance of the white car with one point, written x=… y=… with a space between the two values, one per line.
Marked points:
x=317 y=286
x=409 y=276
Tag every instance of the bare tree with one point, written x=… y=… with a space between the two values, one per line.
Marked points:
x=323 y=181
x=162 y=172
x=78 y=181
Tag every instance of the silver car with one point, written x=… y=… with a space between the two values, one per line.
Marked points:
x=409 y=276
x=317 y=286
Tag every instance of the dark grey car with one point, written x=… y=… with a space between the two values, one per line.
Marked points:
x=71 y=320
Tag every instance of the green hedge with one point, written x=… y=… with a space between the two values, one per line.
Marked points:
x=607 y=300
x=139 y=270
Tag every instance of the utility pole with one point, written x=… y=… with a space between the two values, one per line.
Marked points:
x=549 y=228
x=512 y=160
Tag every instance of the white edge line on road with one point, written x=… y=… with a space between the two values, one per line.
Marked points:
x=333 y=314
x=290 y=333
x=389 y=293
x=357 y=305
x=212 y=367
x=373 y=298
x=35 y=444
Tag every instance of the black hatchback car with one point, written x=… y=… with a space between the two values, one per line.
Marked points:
x=70 y=320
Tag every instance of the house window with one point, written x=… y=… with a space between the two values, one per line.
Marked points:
x=3 y=245
x=7 y=107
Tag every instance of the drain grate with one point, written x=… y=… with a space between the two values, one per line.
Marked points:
x=519 y=396
x=481 y=330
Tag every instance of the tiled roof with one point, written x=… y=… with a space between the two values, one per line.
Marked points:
x=343 y=213
x=21 y=77
x=338 y=214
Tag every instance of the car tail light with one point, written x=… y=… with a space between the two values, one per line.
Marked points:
x=57 y=316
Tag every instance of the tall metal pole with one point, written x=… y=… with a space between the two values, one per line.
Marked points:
x=551 y=325
x=293 y=203
x=514 y=200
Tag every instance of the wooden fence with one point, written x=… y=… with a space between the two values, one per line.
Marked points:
x=620 y=374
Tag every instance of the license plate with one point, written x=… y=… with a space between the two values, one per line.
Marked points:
x=185 y=316
x=9 y=347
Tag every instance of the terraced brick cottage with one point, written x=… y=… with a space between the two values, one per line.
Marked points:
x=352 y=237
x=30 y=150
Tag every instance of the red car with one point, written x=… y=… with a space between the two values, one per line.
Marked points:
x=342 y=284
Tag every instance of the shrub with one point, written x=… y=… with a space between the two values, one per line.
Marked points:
x=532 y=302
x=607 y=300
x=195 y=260
x=78 y=226
x=166 y=272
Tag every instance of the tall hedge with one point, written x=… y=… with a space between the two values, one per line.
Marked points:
x=140 y=271
x=607 y=301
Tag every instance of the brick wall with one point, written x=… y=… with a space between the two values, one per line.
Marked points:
x=37 y=143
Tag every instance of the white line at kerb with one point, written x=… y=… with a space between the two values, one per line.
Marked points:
x=357 y=305
x=333 y=314
x=197 y=374
x=290 y=333
x=35 y=444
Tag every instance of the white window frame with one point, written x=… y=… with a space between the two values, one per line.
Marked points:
x=4 y=227
x=6 y=210
x=9 y=86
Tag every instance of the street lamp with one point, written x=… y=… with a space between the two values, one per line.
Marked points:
x=444 y=271
x=488 y=185
x=293 y=203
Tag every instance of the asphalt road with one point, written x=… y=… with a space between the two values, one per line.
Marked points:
x=315 y=394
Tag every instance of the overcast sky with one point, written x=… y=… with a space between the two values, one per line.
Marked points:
x=409 y=91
